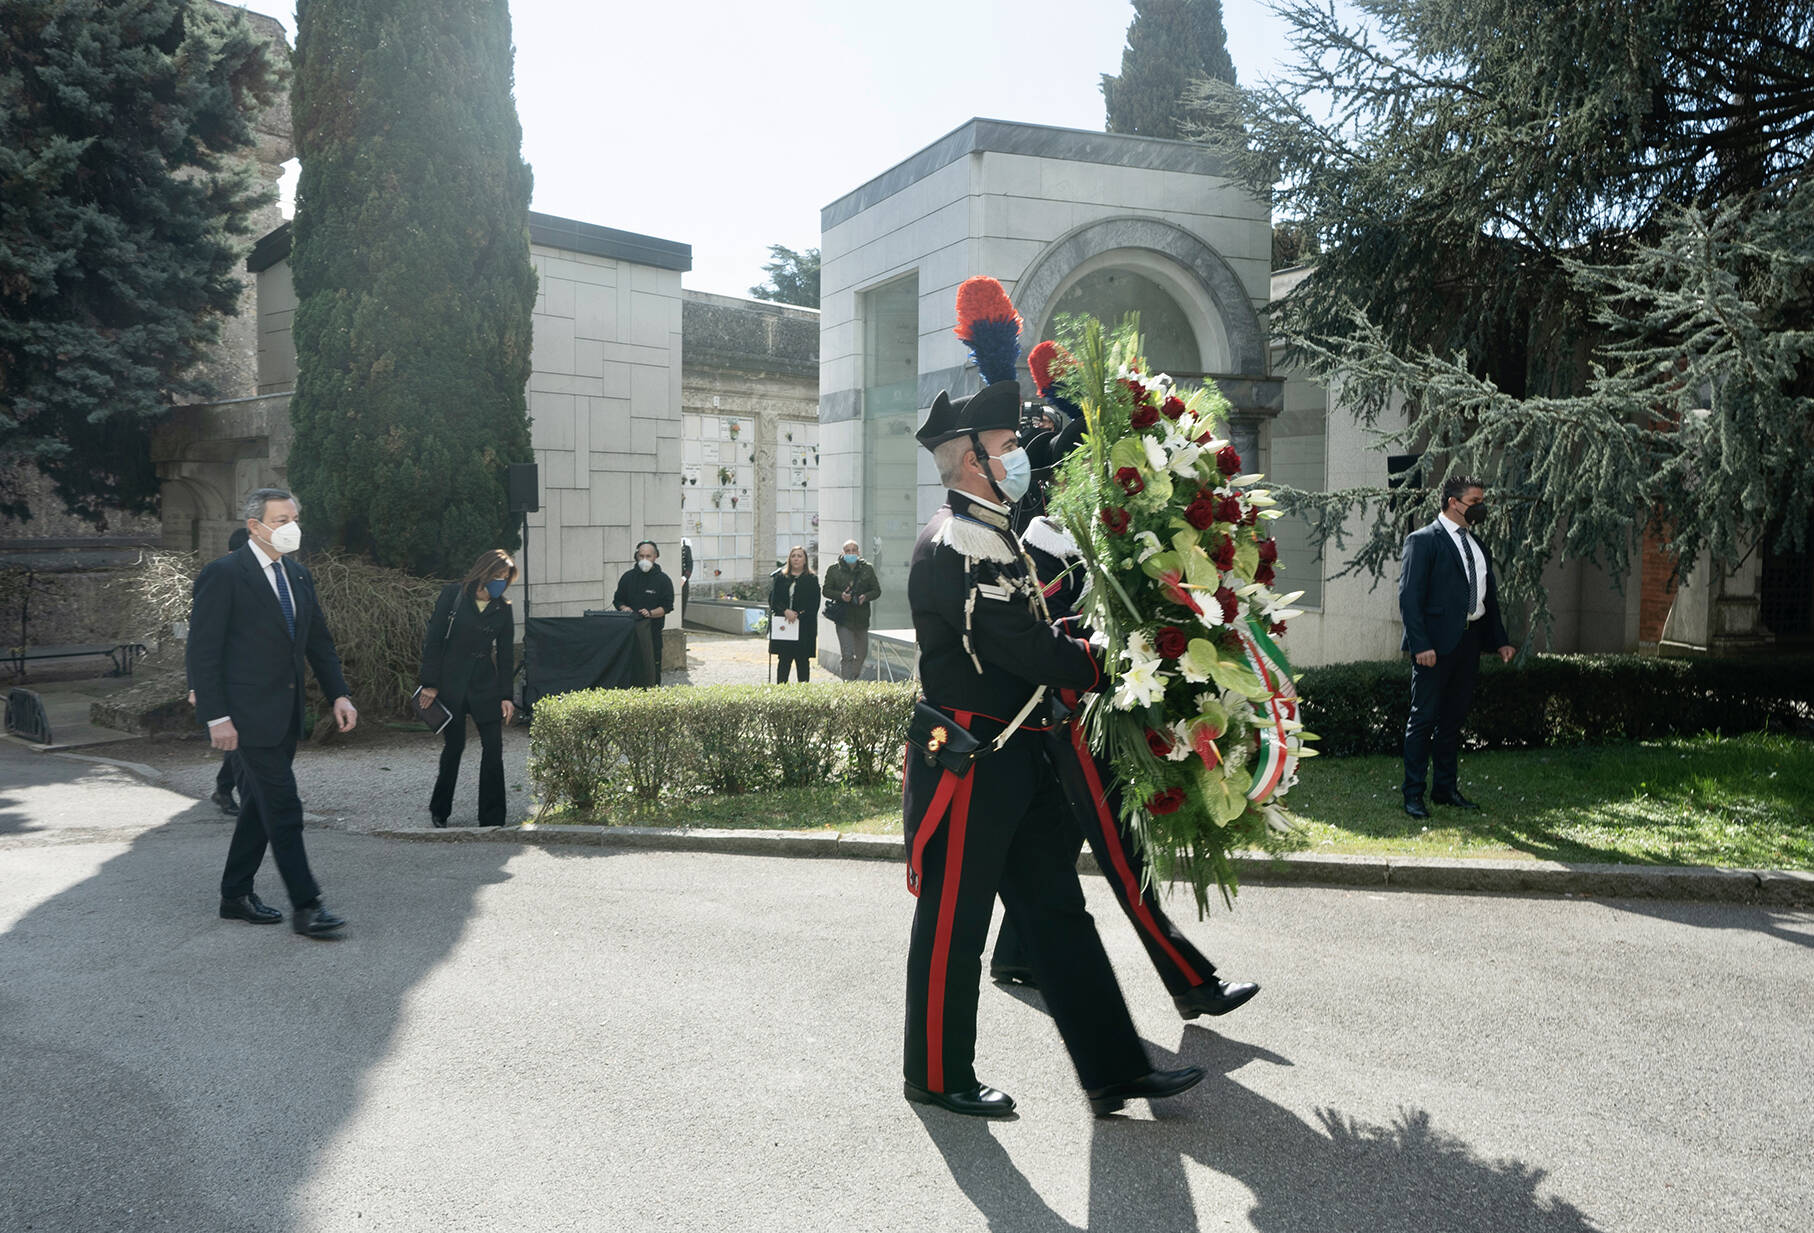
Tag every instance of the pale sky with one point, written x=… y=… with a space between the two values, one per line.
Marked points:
x=727 y=124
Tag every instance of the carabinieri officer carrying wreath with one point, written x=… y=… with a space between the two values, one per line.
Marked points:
x=984 y=811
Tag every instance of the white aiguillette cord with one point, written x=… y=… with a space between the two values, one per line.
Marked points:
x=1015 y=723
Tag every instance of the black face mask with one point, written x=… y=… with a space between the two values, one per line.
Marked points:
x=1475 y=514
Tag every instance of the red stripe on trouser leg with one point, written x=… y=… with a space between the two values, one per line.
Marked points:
x=1111 y=836
x=941 y=938
x=929 y=824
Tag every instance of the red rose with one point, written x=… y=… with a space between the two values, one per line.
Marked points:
x=1130 y=481
x=1173 y=407
x=1145 y=416
x=1172 y=642
x=1230 y=604
x=1278 y=629
x=1159 y=742
x=1201 y=511
x=1134 y=388
x=1169 y=801
x=1228 y=509
x=1228 y=461
x=1269 y=550
x=1203 y=438
x=1224 y=555
x=1116 y=520
x=1251 y=517
x=1264 y=575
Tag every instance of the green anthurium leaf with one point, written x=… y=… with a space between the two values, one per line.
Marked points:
x=1239 y=678
x=1128 y=452
x=1162 y=563
x=1247 y=556
x=1200 y=571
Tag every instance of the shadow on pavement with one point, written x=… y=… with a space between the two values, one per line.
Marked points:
x=168 y=1070
x=1780 y=923
x=1341 y=1174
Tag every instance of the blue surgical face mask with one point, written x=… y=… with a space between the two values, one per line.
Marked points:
x=850 y=558
x=1019 y=474
x=495 y=588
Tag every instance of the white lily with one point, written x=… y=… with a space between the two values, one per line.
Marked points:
x=1155 y=454
x=1141 y=685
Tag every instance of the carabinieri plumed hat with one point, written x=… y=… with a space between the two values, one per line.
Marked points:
x=987 y=321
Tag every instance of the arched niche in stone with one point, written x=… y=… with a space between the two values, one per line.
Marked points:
x=1175 y=271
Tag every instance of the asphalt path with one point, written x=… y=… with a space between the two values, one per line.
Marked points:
x=545 y=1038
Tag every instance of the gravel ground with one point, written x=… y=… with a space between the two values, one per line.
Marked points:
x=382 y=778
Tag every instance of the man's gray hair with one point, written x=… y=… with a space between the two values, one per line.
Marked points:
x=949 y=455
x=258 y=498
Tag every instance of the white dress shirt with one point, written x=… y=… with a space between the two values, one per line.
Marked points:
x=1465 y=544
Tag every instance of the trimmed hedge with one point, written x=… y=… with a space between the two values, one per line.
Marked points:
x=596 y=745
x=1361 y=708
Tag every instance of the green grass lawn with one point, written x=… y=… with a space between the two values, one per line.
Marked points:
x=1744 y=801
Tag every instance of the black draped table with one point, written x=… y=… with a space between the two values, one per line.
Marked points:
x=612 y=650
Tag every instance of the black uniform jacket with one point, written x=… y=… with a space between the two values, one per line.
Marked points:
x=472 y=659
x=970 y=576
x=242 y=661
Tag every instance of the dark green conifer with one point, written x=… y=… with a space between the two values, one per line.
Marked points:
x=413 y=281
x=1170 y=45
x=1574 y=245
x=125 y=193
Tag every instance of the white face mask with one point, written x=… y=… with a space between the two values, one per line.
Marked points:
x=285 y=539
x=644 y=564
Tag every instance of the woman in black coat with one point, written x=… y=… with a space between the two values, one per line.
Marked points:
x=468 y=661
x=795 y=595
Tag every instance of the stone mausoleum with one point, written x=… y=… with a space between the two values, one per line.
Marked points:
x=1075 y=222
x=1071 y=222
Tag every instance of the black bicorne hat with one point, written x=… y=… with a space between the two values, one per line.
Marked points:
x=995 y=406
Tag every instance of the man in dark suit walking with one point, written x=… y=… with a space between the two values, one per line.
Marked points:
x=1449 y=600
x=254 y=622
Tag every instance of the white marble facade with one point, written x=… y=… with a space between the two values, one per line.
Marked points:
x=604 y=401
x=1051 y=213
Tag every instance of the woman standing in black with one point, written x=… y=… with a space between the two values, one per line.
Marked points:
x=795 y=595
x=468 y=661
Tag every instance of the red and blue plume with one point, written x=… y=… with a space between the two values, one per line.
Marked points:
x=1047 y=364
x=987 y=321
x=1047 y=361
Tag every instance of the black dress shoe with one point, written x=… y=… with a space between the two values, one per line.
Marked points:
x=1013 y=974
x=249 y=908
x=315 y=922
x=1416 y=809
x=1107 y=1100
x=979 y=1101
x=1215 y=997
x=1453 y=799
x=439 y=819
x=223 y=800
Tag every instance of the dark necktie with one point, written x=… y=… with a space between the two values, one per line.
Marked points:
x=1467 y=555
x=289 y=608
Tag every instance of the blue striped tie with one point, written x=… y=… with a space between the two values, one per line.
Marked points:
x=283 y=597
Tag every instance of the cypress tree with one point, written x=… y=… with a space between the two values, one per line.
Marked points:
x=1575 y=244
x=126 y=188
x=1170 y=45
x=413 y=281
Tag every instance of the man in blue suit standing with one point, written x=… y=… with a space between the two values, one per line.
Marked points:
x=1449 y=600
x=254 y=624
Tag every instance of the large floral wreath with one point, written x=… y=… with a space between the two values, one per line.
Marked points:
x=1201 y=725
